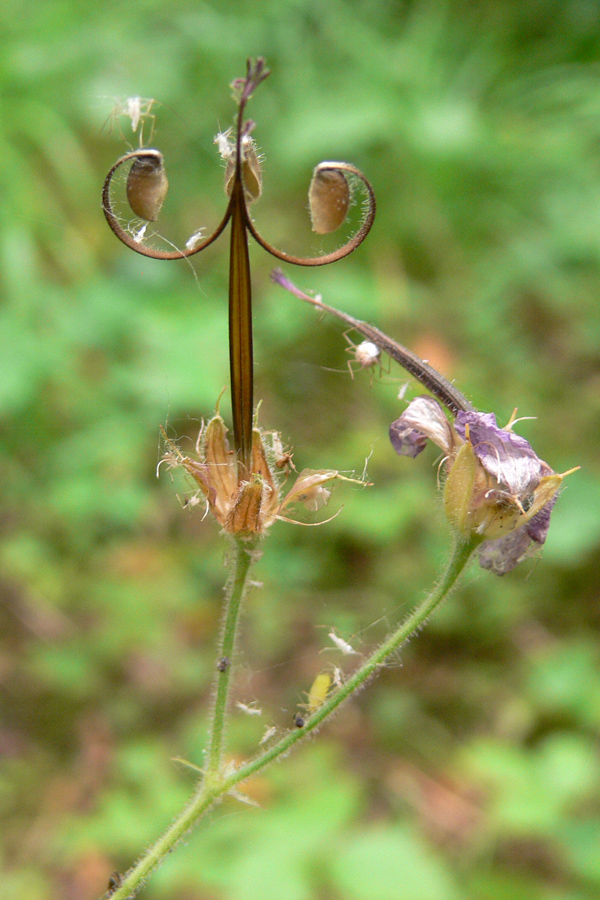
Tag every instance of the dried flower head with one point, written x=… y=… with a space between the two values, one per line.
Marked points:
x=249 y=508
x=330 y=197
x=496 y=487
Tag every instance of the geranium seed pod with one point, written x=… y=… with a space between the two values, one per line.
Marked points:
x=328 y=199
x=251 y=170
x=147 y=185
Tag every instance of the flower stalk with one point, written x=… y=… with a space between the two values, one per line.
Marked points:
x=216 y=784
x=497 y=488
x=439 y=386
x=245 y=554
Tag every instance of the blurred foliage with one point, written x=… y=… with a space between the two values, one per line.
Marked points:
x=470 y=769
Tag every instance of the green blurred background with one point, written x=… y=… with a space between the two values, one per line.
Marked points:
x=470 y=768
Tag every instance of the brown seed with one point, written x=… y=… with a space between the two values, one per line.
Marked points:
x=251 y=170
x=328 y=198
x=147 y=185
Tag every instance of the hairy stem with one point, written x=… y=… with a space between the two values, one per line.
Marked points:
x=460 y=556
x=439 y=386
x=236 y=590
x=212 y=788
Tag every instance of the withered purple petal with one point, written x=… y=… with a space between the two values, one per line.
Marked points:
x=537 y=527
x=423 y=418
x=503 y=454
x=503 y=554
x=406 y=441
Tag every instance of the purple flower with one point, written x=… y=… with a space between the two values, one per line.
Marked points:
x=496 y=486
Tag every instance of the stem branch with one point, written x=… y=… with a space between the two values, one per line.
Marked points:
x=215 y=785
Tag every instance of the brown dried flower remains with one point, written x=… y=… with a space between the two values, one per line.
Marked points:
x=249 y=508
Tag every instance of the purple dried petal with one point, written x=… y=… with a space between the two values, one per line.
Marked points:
x=508 y=457
x=406 y=441
x=537 y=527
x=503 y=554
x=422 y=419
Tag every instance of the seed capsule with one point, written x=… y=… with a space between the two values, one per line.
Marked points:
x=328 y=199
x=251 y=168
x=147 y=185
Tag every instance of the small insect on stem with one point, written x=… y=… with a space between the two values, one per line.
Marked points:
x=147 y=185
x=248 y=710
x=318 y=692
x=439 y=386
x=139 y=111
x=367 y=354
x=342 y=645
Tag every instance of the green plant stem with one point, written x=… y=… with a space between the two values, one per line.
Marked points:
x=461 y=554
x=236 y=591
x=212 y=788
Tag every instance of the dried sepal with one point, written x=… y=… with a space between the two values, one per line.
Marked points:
x=220 y=461
x=246 y=516
x=309 y=488
x=328 y=198
x=147 y=185
x=260 y=464
x=248 y=508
